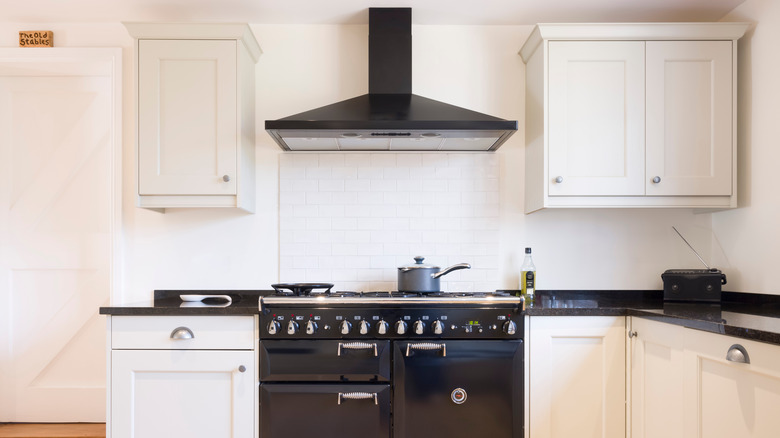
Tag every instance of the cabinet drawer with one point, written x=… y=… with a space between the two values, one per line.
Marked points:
x=160 y=332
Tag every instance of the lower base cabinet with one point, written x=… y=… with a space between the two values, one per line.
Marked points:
x=577 y=377
x=686 y=383
x=172 y=376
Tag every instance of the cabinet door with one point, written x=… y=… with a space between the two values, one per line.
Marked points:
x=657 y=380
x=596 y=118
x=689 y=118
x=577 y=377
x=176 y=393
x=187 y=117
x=729 y=399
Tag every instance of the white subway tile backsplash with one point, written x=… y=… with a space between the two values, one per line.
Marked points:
x=409 y=160
x=318 y=223
x=331 y=185
x=353 y=218
x=370 y=249
x=318 y=173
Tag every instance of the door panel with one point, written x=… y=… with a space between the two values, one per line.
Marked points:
x=486 y=376
x=187 y=117
x=58 y=146
x=596 y=118
x=295 y=410
x=689 y=119
x=180 y=393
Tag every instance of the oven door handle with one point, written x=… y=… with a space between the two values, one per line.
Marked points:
x=358 y=396
x=357 y=346
x=426 y=346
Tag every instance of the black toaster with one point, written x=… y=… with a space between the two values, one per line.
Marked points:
x=694 y=285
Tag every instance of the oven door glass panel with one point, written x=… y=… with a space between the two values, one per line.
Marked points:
x=337 y=410
x=324 y=360
x=473 y=389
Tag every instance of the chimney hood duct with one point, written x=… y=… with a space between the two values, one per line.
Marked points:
x=390 y=117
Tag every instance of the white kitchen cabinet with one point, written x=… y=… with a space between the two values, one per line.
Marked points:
x=727 y=399
x=577 y=377
x=195 y=114
x=631 y=115
x=164 y=383
x=657 y=380
x=684 y=386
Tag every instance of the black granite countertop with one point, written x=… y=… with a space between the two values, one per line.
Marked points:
x=744 y=315
x=748 y=316
x=169 y=302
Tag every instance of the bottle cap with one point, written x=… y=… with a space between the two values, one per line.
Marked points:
x=528 y=250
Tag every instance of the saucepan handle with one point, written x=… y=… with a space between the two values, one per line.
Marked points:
x=446 y=271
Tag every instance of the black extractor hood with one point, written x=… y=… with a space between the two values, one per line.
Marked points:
x=390 y=117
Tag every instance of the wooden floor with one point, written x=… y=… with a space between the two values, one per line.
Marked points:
x=53 y=430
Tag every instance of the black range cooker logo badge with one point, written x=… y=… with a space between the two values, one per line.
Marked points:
x=459 y=396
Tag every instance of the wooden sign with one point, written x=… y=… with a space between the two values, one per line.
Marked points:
x=36 y=38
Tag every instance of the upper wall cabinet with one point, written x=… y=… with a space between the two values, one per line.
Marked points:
x=196 y=114
x=631 y=115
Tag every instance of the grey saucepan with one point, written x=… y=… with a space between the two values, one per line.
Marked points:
x=420 y=277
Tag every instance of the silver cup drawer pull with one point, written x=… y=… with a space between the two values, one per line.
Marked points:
x=358 y=346
x=430 y=346
x=358 y=396
x=181 y=333
x=737 y=353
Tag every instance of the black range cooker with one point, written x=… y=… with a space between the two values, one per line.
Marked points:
x=390 y=364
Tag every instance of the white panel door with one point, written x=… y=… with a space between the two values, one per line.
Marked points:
x=180 y=393
x=689 y=118
x=187 y=117
x=59 y=145
x=596 y=118
x=657 y=380
x=729 y=399
x=577 y=377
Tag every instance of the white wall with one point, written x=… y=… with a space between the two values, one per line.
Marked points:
x=306 y=66
x=748 y=238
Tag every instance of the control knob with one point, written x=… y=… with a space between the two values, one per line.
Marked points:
x=419 y=327
x=400 y=327
x=345 y=327
x=510 y=327
x=311 y=327
x=382 y=326
x=437 y=327
x=363 y=327
x=273 y=327
x=292 y=327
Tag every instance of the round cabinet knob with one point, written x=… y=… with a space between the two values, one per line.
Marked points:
x=437 y=327
x=292 y=327
x=241 y=369
x=311 y=327
x=345 y=327
x=510 y=327
x=382 y=326
x=558 y=179
x=226 y=178
x=400 y=327
x=364 y=327
x=419 y=327
x=656 y=179
x=273 y=327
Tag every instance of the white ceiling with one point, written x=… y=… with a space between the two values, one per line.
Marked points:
x=355 y=11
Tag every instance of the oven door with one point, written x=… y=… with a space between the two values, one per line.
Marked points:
x=458 y=389
x=325 y=410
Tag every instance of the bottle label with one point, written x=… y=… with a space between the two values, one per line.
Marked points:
x=529 y=280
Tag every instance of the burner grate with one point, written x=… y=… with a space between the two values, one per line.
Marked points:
x=297 y=289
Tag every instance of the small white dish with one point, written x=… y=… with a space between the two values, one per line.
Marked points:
x=194 y=298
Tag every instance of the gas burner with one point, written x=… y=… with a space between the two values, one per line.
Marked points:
x=388 y=294
x=297 y=289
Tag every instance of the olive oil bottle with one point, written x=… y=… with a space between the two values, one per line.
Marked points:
x=528 y=278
